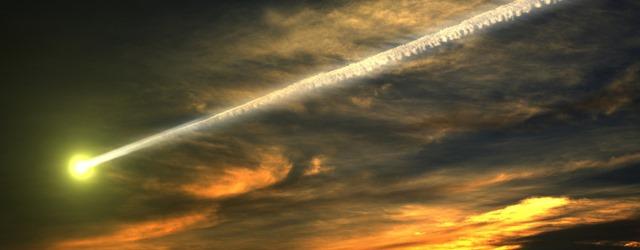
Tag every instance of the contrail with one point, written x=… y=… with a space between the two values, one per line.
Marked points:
x=500 y=14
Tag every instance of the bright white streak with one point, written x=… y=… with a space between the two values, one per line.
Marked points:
x=500 y=14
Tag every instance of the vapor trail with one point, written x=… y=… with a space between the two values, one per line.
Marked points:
x=500 y=14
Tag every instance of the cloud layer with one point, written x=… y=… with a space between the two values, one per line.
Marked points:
x=524 y=136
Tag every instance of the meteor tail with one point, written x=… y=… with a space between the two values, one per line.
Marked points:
x=500 y=14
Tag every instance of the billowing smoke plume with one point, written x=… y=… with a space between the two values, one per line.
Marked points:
x=376 y=62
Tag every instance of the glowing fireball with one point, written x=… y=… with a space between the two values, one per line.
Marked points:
x=80 y=167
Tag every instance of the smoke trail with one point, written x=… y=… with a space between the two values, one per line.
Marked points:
x=500 y=14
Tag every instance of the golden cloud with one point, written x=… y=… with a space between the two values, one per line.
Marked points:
x=132 y=236
x=444 y=227
x=316 y=166
x=272 y=168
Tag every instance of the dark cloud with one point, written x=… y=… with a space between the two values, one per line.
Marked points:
x=608 y=235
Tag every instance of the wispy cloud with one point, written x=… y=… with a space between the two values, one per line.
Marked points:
x=420 y=226
x=237 y=180
x=134 y=235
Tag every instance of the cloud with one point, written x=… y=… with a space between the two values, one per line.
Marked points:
x=618 y=234
x=423 y=226
x=136 y=235
x=267 y=167
x=441 y=152
x=501 y=140
x=317 y=166
x=238 y=180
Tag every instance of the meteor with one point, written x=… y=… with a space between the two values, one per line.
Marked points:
x=368 y=65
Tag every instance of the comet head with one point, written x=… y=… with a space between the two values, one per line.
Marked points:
x=81 y=167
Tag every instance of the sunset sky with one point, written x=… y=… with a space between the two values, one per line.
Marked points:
x=524 y=136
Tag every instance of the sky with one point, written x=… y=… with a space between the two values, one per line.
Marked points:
x=525 y=136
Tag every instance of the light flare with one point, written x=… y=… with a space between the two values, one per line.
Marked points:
x=81 y=167
x=366 y=66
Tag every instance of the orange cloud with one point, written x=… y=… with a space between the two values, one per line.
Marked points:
x=132 y=236
x=441 y=227
x=632 y=244
x=238 y=180
x=316 y=166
